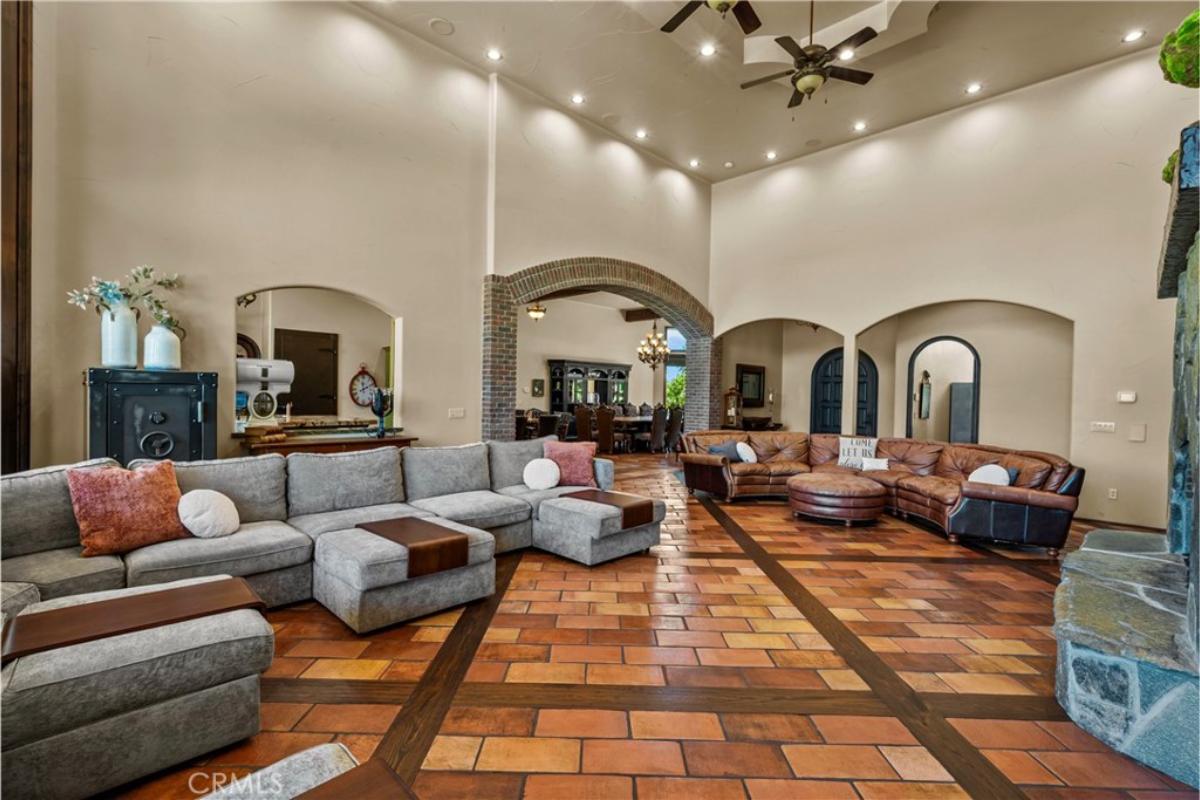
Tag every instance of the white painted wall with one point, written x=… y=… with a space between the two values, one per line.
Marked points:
x=573 y=329
x=1048 y=197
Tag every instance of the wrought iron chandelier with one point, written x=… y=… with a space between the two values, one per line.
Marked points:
x=653 y=350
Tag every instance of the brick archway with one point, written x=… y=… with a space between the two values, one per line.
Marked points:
x=503 y=296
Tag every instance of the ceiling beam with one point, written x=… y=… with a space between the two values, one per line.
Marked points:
x=638 y=314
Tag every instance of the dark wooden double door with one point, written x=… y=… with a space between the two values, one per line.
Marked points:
x=827 y=395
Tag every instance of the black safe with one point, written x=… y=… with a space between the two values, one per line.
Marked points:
x=136 y=413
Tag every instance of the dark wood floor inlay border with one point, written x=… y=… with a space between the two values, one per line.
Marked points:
x=411 y=734
x=978 y=776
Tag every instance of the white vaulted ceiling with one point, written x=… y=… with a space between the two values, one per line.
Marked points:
x=633 y=76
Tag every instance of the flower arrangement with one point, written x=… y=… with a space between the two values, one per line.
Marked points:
x=140 y=288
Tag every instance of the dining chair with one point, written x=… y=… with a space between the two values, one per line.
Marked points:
x=562 y=426
x=630 y=410
x=656 y=436
x=583 y=423
x=607 y=438
x=674 y=430
x=645 y=410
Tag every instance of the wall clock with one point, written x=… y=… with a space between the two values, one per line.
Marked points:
x=363 y=386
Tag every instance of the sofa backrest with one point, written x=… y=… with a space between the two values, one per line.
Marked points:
x=257 y=485
x=320 y=482
x=823 y=448
x=909 y=455
x=771 y=446
x=700 y=441
x=1031 y=472
x=37 y=511
x=507 y=460
x=958 y=461
x=434 y=471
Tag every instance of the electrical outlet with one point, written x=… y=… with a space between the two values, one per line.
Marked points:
x=457 y=413
x=1104 y=427
x=1112 y=494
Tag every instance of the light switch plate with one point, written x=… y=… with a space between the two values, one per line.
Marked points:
x=457 y=413
x=1137 y=432
x=1104 y=427
x=1126 y=397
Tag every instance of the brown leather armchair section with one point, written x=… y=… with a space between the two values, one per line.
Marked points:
x=781 y=454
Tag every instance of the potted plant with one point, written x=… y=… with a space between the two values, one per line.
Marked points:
x=115 y=304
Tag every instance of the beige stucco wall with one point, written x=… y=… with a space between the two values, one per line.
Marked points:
x=313 y=144
x=758 y=344
x=363 y=333
x=587 y=332
x=1048 y=197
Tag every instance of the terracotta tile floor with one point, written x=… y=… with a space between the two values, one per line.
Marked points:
x=697 y=616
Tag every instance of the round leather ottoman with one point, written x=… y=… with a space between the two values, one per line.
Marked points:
x=831 y=495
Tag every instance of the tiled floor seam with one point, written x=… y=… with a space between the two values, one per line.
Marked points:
x=970 y=768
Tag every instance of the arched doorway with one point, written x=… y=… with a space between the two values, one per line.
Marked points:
x=505 y=295
x=827 y=394
x=943 y=390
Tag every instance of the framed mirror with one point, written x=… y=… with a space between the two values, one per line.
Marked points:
x=752 y=383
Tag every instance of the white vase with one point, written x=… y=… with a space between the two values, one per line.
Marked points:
x=118 y=337
x=161 y=348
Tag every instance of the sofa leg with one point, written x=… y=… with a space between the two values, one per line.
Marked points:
x=848 y=523
x=952 y=538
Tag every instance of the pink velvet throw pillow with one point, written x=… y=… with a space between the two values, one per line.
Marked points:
x=574 y=461
x=119 y=510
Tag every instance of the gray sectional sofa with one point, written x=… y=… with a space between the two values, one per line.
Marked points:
x=122 y=709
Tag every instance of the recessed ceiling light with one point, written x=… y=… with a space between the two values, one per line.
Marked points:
x=695 y=162
x=860 y=126
x=974 y=88
x=442 y=27
x=707 y=49
x=728 y=165
x=771 y=155
x=1133 y=36
x=577 y=99
x=494 y=54
x=845 y=54
x=640 y=133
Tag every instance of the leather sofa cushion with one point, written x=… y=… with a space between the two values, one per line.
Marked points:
x=835 y=486
x=823 y=448
x=932 y=487
x=781 y=467
x=917 y=456
x=888 y=477
x=833 y=466
x=1031 y=472
x=780 y=446
x=746 y=468
x=957 y=462
x=700 y=441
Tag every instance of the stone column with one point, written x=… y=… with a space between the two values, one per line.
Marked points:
x=704 y=390
x=499 y=382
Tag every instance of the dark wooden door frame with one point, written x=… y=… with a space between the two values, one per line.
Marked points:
x=912 y=362
x=864 y=360
x=16 y=22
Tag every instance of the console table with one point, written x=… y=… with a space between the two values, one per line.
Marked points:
x=326 y=443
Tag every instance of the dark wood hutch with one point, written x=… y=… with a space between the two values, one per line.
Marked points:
x=592 y=382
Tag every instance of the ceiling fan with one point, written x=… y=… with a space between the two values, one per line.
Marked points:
x=741 y=11
x=812 y=65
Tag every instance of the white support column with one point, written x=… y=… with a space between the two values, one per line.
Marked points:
x=849 y=384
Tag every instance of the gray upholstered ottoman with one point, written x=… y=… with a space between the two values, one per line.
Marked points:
x=363 y=578
x=89 y=717
x=591 y=533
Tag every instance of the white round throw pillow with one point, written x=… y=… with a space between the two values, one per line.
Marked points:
x=746 y=453
x=208 y=514
x=990 y=473
x=541 y=473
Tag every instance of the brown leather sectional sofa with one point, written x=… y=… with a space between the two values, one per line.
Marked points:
x=923 y=479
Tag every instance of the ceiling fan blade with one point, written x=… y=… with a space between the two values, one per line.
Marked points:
x=789 y=44
x=746 y=17
x=767 y=78
x=853 y=75
x=683 y=13
x=855 y=41
x=797 y=98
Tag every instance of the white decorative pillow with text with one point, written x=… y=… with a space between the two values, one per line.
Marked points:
x=853 y=449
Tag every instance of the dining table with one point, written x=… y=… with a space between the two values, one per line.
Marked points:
x=635 y=423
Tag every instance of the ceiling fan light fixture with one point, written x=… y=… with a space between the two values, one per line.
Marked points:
x=720 y=6
x=809 y=82
x=1133 y=36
